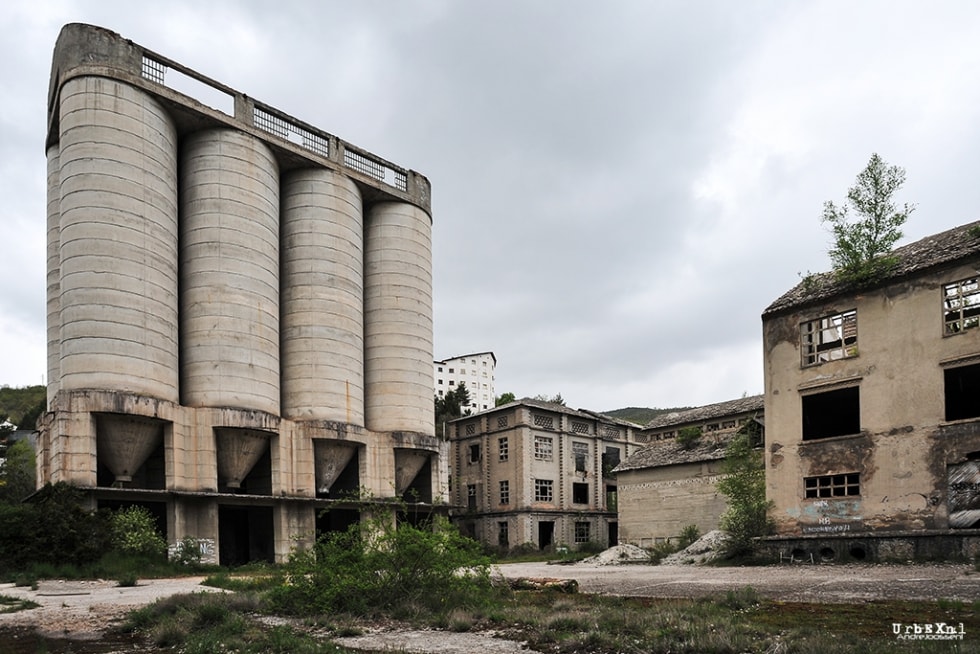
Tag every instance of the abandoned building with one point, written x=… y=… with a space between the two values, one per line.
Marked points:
x=239 y=309
x=872 y=405
x=476 y=370
x=533 y=472
x=671 y=483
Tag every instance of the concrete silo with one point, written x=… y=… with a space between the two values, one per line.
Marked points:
x=239 y=309
x=322 y=297
x=118 y=240
x=229 y=270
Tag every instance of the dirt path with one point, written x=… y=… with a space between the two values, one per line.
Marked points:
x=82 y=610
x=790 y=582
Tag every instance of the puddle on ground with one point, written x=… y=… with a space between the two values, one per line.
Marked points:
x=26 y=641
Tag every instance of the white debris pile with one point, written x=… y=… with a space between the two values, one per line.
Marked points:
x=618 y=555
x=705 y=549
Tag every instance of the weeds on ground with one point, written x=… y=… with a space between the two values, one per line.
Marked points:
x=10 y=604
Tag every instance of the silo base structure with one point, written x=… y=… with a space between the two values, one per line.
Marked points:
x=239 y=311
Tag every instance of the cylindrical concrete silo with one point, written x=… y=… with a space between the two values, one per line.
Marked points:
x=229 y=263
x=118 y=240
x=398 y=319
x=54 y=271
x=322 y=297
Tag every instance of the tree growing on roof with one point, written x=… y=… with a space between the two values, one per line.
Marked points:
x=862 y=243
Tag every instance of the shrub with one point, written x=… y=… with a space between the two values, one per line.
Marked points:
x=689 y=534
x=375 y=566
x=134 y=532
x=747 y=515
x=689 y=436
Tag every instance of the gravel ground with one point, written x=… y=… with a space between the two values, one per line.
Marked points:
x=84 y=610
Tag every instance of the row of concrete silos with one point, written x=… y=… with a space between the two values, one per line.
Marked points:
x=188 y=268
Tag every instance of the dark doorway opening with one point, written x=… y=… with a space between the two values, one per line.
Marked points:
x=613 y=534
x=546 y=534
x=245 y=534
x=335 y=520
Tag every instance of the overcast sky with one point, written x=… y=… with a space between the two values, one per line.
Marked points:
x=619 y=188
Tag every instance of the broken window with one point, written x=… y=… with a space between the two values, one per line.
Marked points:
x=505 y=492
x=843 y=485
x=474 y=453
x=610 y=460
x=582 y=532
x=471 y=497
x=961 y=305
x=829 y=338
x=832 y=413
x=503 y=535
x=503 y=448
x=543 y=448
x=962 y=390
x=544 y=490
x=581 y=453
x=580 y=493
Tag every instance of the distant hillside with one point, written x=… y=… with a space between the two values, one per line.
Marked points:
x=22 y=406
x=641 y=415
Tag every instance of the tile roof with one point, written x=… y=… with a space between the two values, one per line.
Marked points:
x=708 y=412
x=944 y=248
x=710 y=447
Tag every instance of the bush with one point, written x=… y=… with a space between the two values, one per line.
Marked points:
x=689 y=534
x=376 y=566
x=134 y=532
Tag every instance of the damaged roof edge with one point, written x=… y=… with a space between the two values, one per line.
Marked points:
x=940 y=250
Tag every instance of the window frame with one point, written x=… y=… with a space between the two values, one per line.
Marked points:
x=542 y=453
x=544 y=490
x=504 y=488
x=833 y=486
x=964 y=319
x=814 y=350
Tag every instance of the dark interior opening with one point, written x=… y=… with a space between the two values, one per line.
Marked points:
x=546 y=533
x=613 y=534
x=151 y=475
x=420 y=490
x=245 y=535
x=962 y=392
x=832 y=413
x=580 y=493
x=335 y=520
x=348 y=482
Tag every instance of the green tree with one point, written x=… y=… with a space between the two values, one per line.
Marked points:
x=554 y=399
x=454 y=404
x=744 y=484
x=861 y=244
x=18 y=476
x=505 y=398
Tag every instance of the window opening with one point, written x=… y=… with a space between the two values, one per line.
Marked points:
x=832 y=413
x=962 y=392
x=829 y=338
x=474 y=453
x=505 y=492
x=503 y=448
x=961 y=306
x=581 y=453
x=842 y=485
x=582 y=532
x=580 y=493
x=544 y=490
x=543 y=448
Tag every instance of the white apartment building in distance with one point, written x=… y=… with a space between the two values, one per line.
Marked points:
x=475 y=370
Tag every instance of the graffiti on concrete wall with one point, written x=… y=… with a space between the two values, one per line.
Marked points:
x=831 y=517
x=963 y=495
